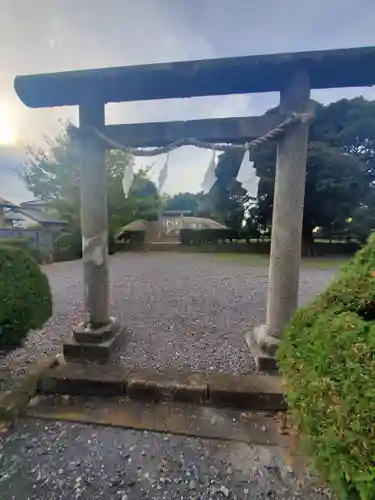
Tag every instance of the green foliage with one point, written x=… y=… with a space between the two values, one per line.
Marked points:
x=23 y=243
x=25 y=296
x=54 y=176
x=340 y=166
x=184 y=202
x=133 y=238
x=252 y=228
x=16 y=242
x=362 y=221
x=327 y=358
x=69 y=246
x=227 y=199
x=207 y=236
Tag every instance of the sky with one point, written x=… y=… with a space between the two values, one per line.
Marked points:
x=55 y=35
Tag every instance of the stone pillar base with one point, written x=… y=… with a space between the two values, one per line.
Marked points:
x=93 y=344
x=263 y=348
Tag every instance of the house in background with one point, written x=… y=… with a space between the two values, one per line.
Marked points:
x=32 y=220
x=5 y=206
x=31 y=213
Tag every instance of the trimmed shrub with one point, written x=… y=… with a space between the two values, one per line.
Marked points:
x=327 y=358
x=207 y=236
x=133 y=238
x=23 y=243
x=112 y=244
x=69 y=245
x=25 y=296
x=16 y=242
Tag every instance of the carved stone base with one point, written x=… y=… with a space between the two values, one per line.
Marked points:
x=263 y=348
x=93 y=345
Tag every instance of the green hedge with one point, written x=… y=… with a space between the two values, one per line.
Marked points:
x=23 y=243
x=327 y=358
x=25 y=296
x=207 y=236
x=69 y=245
x=133 y=238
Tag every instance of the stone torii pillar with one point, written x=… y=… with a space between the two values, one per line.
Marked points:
x=287 y=220
x=95 y=337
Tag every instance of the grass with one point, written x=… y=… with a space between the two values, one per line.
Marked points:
x=333 y=262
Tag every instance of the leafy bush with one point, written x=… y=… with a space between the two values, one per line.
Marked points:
x=25 y=296
x=69 y=245
x=133 y=238
x=23 y=243
x=327 y=358
x=207 y=236
x=16 y=242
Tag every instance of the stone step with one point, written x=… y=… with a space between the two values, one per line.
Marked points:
x=254 y=392
x=185 y=419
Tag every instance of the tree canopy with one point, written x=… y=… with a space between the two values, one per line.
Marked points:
x=226 y=199
x=340 y=167
x=340 y=179
x=53 y=175
x=184 y=202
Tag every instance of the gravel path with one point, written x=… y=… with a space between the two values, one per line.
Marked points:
x=185 y=311
x=61 y=461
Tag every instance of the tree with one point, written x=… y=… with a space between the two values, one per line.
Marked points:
x=362 y=222
x=184 y=202
x=227 y=198
x=340 y=167
x=53 y=175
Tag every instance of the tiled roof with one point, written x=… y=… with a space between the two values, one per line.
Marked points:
x=7 y=203
x=37 y=216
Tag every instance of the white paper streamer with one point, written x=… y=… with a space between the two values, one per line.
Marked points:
x=163 y=174
x=248 y=177
x=127 y=179
x=210 y=177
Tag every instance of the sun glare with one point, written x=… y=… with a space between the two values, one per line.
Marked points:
x=7 y=133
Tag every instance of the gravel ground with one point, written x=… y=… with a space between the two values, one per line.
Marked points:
x=185 y=311
x=58 y=461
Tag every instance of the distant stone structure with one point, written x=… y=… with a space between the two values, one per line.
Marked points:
x=172 y=221
x=168 y=227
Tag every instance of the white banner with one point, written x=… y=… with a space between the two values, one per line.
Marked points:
x=127 y=179
x=209 y=177
x=163 y=174
x=248 y=177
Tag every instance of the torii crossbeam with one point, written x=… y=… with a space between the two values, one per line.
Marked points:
x=293 y=75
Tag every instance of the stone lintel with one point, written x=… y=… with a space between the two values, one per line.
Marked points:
x=218 y=130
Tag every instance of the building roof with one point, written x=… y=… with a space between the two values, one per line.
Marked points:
x=136 y=225
x=37 y=203
x=206 y=223
x=4 y=203
x=176 y=212
x=20 y=213
x=353 y=67
x=14 y=216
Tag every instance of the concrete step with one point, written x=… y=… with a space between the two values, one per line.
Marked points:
x=253 y=392
x=175 y=418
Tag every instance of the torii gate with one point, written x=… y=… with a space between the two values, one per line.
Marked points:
x=293 y=75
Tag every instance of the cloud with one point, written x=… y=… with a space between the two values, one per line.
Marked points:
x=57 y=35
